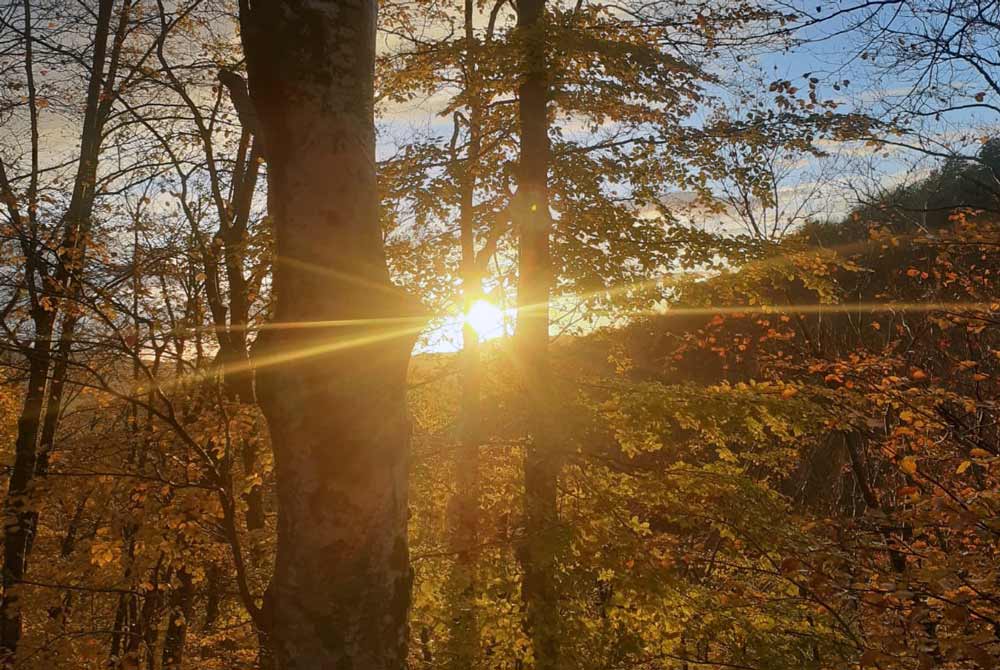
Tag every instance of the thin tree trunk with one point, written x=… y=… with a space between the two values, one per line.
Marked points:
x=149 y=626
x=464 y=635
x=213 y=597
x=334 y=396
x=53 y=408
x=18 y=513
x=541 y=464
x=49 y=422
x=118 y=628
x=125 y=636
x=179 y=613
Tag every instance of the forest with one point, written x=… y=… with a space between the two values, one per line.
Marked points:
x=500 y=334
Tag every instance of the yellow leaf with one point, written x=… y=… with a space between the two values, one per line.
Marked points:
x=963 y=467
x=908 y=465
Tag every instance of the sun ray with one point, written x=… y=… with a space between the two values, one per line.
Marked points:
x=339 y=275
x=373 y=336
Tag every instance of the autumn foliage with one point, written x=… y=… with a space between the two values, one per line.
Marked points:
x=740 y=430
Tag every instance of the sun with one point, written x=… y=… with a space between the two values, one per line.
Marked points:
x=486 y=319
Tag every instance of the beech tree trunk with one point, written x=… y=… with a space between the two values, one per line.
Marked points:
x=541 y=466
x=333 y=392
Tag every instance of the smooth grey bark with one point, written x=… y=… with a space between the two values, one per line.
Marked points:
x=334 y=392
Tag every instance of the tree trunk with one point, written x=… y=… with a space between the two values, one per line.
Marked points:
x=333 y=393
x=463 y=643
x=541 y=465
x=53 y=408
x=179 y=613
x=464 y=635
x=18 y=513
x=213 y=597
